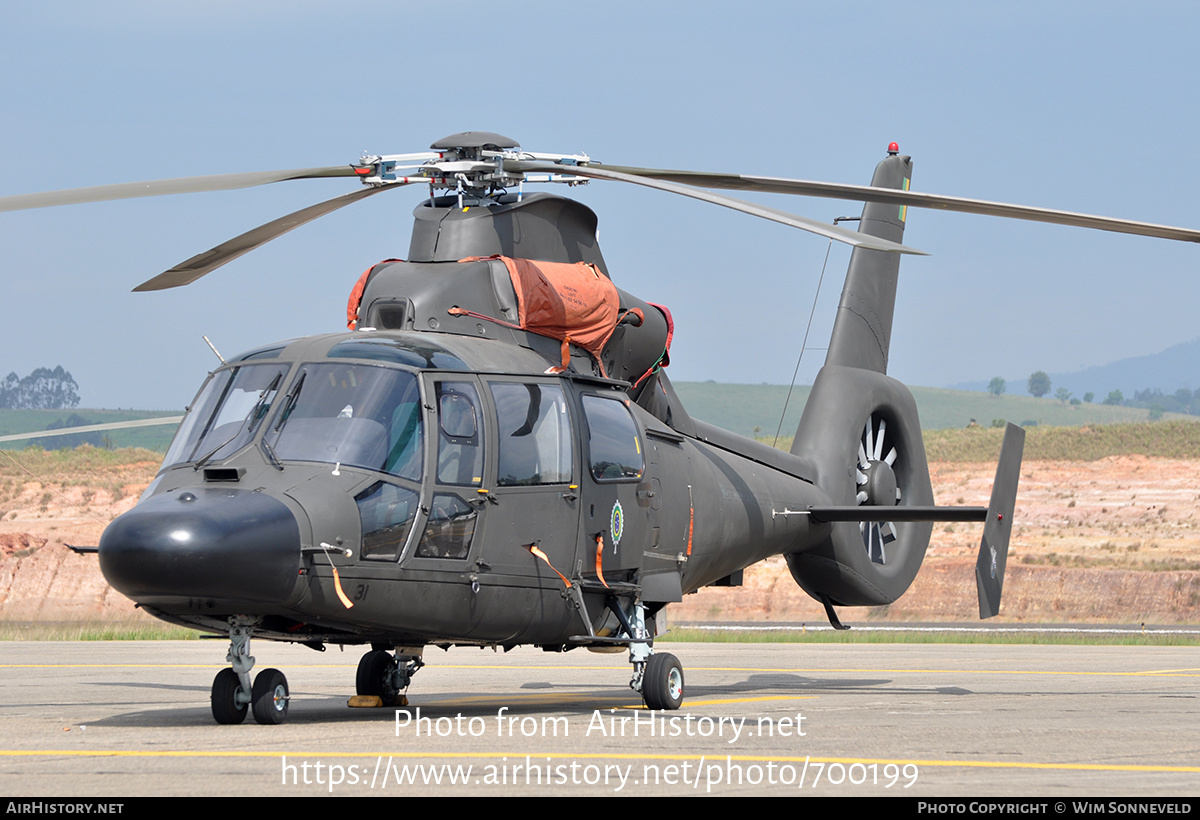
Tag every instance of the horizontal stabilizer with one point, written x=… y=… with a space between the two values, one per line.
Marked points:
x=826 y=515
x=993 y=551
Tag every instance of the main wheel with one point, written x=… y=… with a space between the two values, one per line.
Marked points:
x=225 y=707
x=374 y=677
x=662 y=682
x=270 y=697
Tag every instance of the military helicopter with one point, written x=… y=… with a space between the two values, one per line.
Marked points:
x=493 y=454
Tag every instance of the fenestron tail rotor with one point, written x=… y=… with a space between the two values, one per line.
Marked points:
x=877 y=485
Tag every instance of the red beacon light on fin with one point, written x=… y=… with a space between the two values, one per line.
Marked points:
x=893 y=148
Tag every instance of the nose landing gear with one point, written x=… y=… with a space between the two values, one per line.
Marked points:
x=232 y=691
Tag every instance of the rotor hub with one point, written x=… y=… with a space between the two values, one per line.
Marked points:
x=881 y=484
x=473 y=163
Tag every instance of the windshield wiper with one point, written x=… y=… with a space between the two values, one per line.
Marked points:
x=289 y=403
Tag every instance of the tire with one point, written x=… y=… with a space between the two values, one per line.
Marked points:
x=270 y=697
x=225 y=708
x=374 y=677
x=662 y=682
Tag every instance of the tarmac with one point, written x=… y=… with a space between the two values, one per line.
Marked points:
x=128 y=719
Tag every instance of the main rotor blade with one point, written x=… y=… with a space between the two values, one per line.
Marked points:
x=187 y=272
x=917 y=199
x=163 y=187
x=93 y=428
x=783 y=217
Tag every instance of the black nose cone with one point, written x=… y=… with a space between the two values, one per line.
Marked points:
x=225 y=544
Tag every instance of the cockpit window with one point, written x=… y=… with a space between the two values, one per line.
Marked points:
x=226 y=414
x=352 y=414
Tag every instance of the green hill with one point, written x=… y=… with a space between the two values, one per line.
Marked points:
x=741 y=408
x=28 y=421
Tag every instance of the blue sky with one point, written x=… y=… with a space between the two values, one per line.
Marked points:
x=1084 y=106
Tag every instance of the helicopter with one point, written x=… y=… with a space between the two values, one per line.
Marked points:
x=492 y=453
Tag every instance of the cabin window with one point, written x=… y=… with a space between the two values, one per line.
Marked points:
x=460 y=435
x=450 y=528
x=614 y=448
x=535 y=434
x=387 y=513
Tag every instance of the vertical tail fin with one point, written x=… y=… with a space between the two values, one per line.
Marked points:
x=862 y=331
x=860 y=430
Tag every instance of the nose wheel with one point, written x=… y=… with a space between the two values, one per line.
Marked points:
x=232 y=693
x=227 y=707
x=270 y=697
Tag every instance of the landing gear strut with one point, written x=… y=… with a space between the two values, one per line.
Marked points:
x=385 y=676
x=232 y=691
x=657 y=676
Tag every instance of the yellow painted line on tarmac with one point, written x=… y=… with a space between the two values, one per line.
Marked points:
x=110 y=665
x=525 y=697
x=632 y=701
x=1165 y=673
x=326 y=755
x=723 y=701
x=860 y=670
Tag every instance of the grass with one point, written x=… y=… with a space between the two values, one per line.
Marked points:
x=904 y=636
x=1157 y=439
x=1055 y=559
x=93 y=468
x=69 y=466
x=138 y=630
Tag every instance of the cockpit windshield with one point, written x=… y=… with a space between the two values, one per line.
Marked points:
x=226 y=414
x=352 y=414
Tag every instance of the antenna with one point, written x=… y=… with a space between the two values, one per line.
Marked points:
x=214 y=349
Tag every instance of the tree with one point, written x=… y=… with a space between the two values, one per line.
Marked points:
x=1062 y=394
x=1115 y=397
x=72 y=441
x=1088 y=397
x=1039 y=384
x=43 y=389
x=997 y=386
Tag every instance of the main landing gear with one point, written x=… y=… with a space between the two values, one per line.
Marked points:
x=384 y=676
x=658 y=676
x=232 y=693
